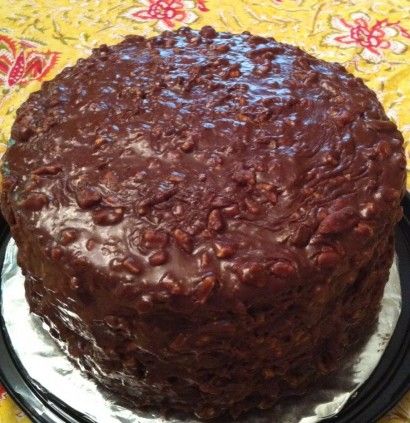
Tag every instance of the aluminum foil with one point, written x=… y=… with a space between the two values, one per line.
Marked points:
x=48 y=366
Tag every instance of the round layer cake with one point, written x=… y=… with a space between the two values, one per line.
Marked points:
x=205 y=220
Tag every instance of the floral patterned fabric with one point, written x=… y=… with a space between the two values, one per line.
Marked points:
x=371 y=39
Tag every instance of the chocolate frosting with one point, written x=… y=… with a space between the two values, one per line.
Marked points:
x=195 y=177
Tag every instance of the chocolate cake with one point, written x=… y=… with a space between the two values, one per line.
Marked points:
x=205 y=220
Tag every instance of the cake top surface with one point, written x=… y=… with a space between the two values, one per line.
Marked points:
x=200 y=156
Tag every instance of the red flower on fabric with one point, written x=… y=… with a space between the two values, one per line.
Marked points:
x=165 y=13
x=371 y=38
x=165 y=10
x=21 y=62
x=2 y=392
x=200 y=4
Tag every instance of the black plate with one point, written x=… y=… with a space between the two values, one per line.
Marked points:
x=384 y=388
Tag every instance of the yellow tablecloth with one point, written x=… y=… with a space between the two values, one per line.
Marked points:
x=371 y=38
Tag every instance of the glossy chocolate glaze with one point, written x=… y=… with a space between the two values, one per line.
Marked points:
x=196 y=213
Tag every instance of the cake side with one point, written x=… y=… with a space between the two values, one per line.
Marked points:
x=223 y=361
x=197 y=210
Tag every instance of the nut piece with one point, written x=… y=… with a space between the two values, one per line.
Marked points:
x=364 y=230
x=90 y=244
x=205 y=260
x=99 y=142
x=244 y=177
x=328 y=259
x=369 y=210
x=108 y=216
x=187 y=146
x=115 y=322
x=256 y=39
x=231 y=211
x=220 y=201
x=271 y=196
x=56 y=253
x=208 y=32
x=384 y=149
x=34 y=202
x=223 y=249
x=87 y=197
x=178 y=343
x=391 y=194
x=215 y=221
x=301 y=236
x=283 y=269
x=205 y=412
x=131 y=265
x=253 y=273
x=381 y=125
x=233 y=73
x=144 y=304
x=158 y=258
x=222 y=48
x=183 y=240
x=268 y=373
x=116 y=264
x=47 y=170
x=252 y=206
x=204 y=288
x=74 y=283
x=68 y=235
x=153 y=239
x=338 y=221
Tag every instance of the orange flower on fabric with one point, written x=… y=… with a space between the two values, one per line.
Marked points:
x=21 y=62
x=164 y=13
x=372 y=39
